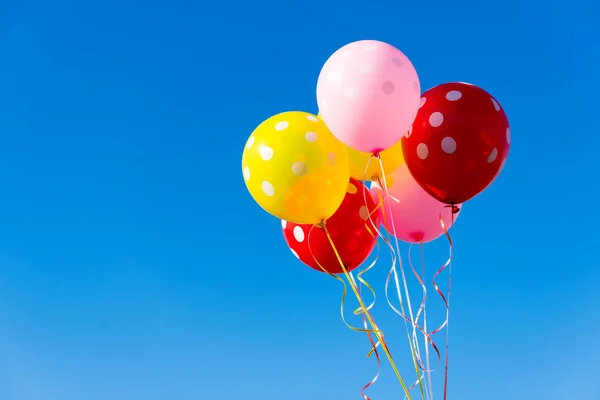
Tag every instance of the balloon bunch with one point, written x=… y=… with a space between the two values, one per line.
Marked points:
x=424 y=154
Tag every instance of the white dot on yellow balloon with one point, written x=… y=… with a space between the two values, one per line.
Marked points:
x=312 y=118
x=267 y=188
x=331 y=158
x=310 y=137
x=299 y=168
x=281 y=126
x=351 y=188
x=364 y=212
x=266 y=153
x=247 y=173
x=250 y=142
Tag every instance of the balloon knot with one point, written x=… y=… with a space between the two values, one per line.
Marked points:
x=376 y=154
x=455 y=209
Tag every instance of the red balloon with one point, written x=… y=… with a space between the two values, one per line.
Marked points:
x=459 y=142
x=350 y=228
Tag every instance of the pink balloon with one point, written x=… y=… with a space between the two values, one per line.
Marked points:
x=414 y=213
x=368 y=94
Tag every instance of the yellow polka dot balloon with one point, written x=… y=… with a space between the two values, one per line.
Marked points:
x=295 y=168
x=391 y=159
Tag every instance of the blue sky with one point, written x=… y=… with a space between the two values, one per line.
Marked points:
x=135 y=265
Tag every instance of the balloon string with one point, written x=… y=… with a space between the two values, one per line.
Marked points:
x=373 y=346
x=448 y=264
x=366 y=312
x=358 y=311
x=427 y=337
x=414 y=344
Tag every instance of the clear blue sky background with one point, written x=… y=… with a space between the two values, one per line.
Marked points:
x=134 y=265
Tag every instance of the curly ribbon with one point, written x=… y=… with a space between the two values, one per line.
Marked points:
x=375 y=329
x=359 y=310
x=413 y=342
x=447 y=264
x=373 y=346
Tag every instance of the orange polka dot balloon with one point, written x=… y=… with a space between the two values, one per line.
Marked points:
x=459 y=142
x=351 y=228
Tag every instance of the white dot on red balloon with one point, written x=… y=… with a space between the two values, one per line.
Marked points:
x=508 y=135
x=436 y=119
x=294 y=253
x=453 y=95
x=365 y=68
x=247 y=173
x=422 y=103
x=422 y=151
x=310 y=137
x=351 y=92
x=388 y=87
x=493 y=155
x=397 y=62
x=312 y=118
x=281 y=126
x=299 y=168
x=495 y=103
x=448 y=145
x=283 y=223
x=363 y=212
x=267 y=188
x=298 y=233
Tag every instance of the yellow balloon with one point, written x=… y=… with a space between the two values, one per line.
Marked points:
x=391 y=159
x=295 y=169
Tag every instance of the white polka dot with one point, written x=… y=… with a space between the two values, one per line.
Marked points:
x=334 y=76
x=397 y=62
x=422 y=103
x=508 y=135
x=283 y=223
x=436 y=119
x=493 y=155
x=363 y=212
x=250 y=142
x=266 y=153
x=267 y=188
x=351 y=92
x=310 y=137
x=365 y=68
x=388 y=87
x=331 y=158
x=281 y=126
x=299 y=168
x=294 y=253
x=453 y=95
x=371 y=47
x=312 y=118
x=448 y=145
x=422 y=151
x=298 y=233
x=347 y=53
x=495 y=103
x=351 y=188
x=247 y=173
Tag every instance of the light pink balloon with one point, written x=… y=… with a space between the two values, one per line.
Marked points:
x=414 y=213
x=368 y=94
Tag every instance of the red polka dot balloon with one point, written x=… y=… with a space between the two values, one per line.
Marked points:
x=351 y=230
x=459 y=142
